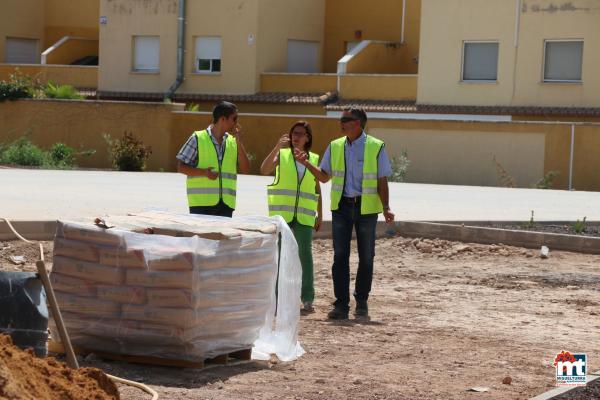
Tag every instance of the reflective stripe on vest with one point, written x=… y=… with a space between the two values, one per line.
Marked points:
x=370 y=201
x=202 y=191
x=290 y=198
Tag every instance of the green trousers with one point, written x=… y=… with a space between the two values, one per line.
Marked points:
x=303 y=235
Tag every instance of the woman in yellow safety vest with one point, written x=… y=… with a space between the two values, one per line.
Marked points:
x=295 y=194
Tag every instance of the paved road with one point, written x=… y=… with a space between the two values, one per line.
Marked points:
x=43 y=195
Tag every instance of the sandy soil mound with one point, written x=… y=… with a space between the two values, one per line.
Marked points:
x=25 y=377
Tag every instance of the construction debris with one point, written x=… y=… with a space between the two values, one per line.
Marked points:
x=17 y=260
x=544 y=252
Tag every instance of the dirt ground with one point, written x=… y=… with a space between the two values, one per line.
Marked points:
x=445 y=317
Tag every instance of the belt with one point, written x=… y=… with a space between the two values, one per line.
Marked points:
x=351 y=200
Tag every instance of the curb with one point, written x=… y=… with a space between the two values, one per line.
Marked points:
x=44 y=230
x=31 y=230
x=475 y=234
x=561 y=390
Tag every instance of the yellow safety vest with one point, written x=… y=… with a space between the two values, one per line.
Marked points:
x=202 y=191
x=370 y=201
x=290 y=198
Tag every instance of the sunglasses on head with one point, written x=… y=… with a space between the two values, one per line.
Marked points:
x=348 y=119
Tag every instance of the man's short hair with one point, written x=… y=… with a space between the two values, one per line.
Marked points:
x=223 y=109
x=358 y=113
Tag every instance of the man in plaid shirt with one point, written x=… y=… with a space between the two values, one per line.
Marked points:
x=211 y=160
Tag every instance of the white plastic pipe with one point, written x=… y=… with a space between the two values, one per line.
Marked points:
x=517 y=21
x=571 y=157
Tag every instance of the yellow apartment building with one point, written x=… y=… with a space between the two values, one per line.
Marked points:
x=521 y=59
x=230 y=43
x=67 y=31
x=227 y=43
x=510 y=53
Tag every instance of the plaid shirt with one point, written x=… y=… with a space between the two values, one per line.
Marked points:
x=188 y=154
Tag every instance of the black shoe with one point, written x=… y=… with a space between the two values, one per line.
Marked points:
x=362 y=309
x=338 y=313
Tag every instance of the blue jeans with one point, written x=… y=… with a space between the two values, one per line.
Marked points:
x=346 y=217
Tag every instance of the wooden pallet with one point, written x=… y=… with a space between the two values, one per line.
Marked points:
x=224 y=359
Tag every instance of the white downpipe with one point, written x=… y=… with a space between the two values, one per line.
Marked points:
x=403 y=20
x=517 y=21
x=571 y=157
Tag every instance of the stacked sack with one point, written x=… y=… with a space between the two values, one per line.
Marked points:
x=181 y=298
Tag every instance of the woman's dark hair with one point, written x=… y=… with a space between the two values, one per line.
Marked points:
x=308 y=130
x=223 y=109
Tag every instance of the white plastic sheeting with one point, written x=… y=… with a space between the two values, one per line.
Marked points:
x=279 y=335
x=185 y=298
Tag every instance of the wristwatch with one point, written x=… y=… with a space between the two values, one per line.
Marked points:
x=386 y=208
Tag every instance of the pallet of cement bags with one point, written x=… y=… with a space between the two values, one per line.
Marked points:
x=171 y=286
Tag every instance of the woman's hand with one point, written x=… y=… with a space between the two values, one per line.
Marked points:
x=301 y=156
x=318 y=223
x=284 y=141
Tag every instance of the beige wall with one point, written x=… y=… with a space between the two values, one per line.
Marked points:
x=467 y=156
x=378 y=87
x=352 y=86
x=298 y=83
x=443 y=152
x=377 y=58
x=583 y=22
x=377 y=20
x=447 y=23
x=68 y=18
x=269 y=108
x=48 y=21
x=269 y=22
x=586 y=162
x=233 y=21
x=82 y=124
x=21 y=19
x=283 y=20
x=75 y=75
x=126 y=18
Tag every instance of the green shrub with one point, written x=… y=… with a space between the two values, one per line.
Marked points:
x=529 y=224
x=23 y=152
x=18 y=86
x=128 y=153
x=55 y=91
x=547 y=182
x=399 y=167
x=193 y=107
x=62 y=156
x=579 y=227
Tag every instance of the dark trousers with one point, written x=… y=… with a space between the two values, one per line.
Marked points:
x=220 y=209
x=346 y=217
